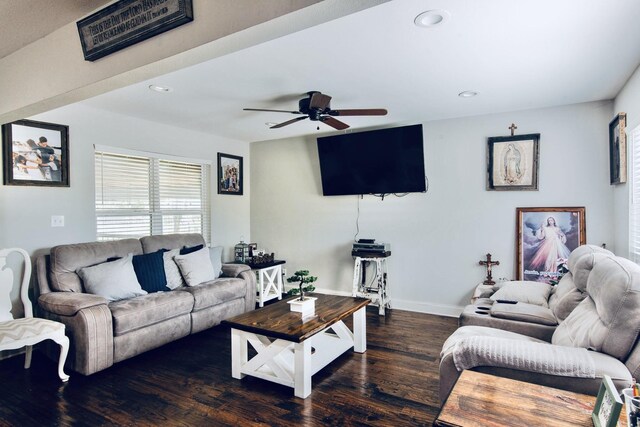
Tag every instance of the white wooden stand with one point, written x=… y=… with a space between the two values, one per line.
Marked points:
x=293 y=364
x=377 y=290
x=269 y=283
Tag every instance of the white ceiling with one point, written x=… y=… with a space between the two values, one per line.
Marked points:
x=517 y=54
x=25 y=21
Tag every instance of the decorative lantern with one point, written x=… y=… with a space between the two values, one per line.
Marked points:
x=241 y=252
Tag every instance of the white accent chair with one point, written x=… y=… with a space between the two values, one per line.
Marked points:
x=26 y=331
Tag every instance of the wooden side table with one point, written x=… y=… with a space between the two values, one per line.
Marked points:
x=485 y=400
x=269 y=280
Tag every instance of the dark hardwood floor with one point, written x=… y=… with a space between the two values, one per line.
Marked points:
x=188 y=382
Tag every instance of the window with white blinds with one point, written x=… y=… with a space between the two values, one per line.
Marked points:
x=140 y=195
x=634 y=203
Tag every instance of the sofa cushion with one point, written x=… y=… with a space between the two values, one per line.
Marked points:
x=215 y=253
x=113 y=280
x=171 y=270
x=216 y=292
x=136 y=313
x=524 y=312
x=190 y=249
x=580 y=266
x=607 y=320
x=170 y=241
x=196 y=267
x=66 y=260
x=565 y=297
x=524 y=291
x=149 y=270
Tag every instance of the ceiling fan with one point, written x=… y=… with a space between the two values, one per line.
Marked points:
x=317 y=107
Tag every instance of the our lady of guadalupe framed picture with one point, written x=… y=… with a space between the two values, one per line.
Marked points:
x=546 y=237
x=229 y=174
x=35 y=153
x=512 y=162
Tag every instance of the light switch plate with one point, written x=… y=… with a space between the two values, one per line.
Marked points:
x=57 y=220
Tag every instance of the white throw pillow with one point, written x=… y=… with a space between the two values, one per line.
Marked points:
x=196 y=267
x=215 y=254
x=171 y=270
x=113 y=280
x=524 y=291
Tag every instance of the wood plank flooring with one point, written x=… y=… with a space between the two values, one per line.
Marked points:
x=189 y=383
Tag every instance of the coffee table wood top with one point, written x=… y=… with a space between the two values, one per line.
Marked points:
x=485 y=400
x=278 y=321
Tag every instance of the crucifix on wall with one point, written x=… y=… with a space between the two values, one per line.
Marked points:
x=488 y=263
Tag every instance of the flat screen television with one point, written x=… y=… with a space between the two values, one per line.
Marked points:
x=376 y=162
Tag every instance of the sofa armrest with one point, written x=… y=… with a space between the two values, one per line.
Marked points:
x=68 y=303
x=234 y=270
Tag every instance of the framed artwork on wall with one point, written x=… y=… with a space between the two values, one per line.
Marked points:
x=545 y=238
x=35 y=154
x=229 y=174
x=618 y=149
x=512 y=162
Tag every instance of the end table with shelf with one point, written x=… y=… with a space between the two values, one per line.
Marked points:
x=269 y=280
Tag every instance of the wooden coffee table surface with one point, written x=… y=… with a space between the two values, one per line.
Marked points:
x=278 y=321
x=485 y=400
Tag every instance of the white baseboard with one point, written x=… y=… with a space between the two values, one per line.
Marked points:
x=418 y=307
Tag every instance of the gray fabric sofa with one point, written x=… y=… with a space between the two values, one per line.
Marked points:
x=600 y=336
x=103 y=333
x=535 y=320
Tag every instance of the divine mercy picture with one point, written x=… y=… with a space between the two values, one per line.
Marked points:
x=546 y=237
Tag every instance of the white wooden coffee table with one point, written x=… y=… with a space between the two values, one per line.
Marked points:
x=290 y=349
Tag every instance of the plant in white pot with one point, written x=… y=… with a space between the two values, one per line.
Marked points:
x=304 y=305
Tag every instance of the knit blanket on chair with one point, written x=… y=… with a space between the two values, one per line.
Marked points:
x=523 y=355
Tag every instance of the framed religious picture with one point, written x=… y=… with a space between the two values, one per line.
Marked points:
x=608 y=405
x=35 y=153
x=512 y=162
x=545 y=238
x=618 y=149
x=229 y=174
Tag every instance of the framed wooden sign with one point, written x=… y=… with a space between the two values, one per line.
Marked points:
x=127 y=22
x=608 y=405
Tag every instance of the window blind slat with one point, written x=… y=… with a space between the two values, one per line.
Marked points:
x=634 y=205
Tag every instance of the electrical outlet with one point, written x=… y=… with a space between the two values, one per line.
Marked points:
x=57 y=220
x=284 y=272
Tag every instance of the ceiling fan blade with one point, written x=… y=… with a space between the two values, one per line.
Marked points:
x=288 y=122
x=334 y=123
x=359 y=112
x=274 y=111
x=319 y=101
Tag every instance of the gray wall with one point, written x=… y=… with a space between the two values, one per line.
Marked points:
x=436 y=238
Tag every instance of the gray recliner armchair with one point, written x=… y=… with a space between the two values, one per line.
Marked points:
x=539 y=307
x=599 y=337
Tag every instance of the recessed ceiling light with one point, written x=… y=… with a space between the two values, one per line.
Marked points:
x=161 y=89
x=467 y=94
x=431 y=18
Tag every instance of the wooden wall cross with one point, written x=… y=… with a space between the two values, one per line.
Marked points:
x=513 y=128
x=488 y=263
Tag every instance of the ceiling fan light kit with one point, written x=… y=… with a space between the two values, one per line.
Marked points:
x=317 y=107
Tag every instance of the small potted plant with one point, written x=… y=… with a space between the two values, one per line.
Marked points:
x=304 y=305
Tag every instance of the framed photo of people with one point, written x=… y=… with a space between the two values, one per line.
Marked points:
x=35 y=153
x=229 y=174
x=545 y=238
x=618 y=149
x=512 y=162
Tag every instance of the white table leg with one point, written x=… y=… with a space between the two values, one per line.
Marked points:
x=279 y=281
x=360 y=330
x=261 y=289
x=302 y=369
x=239 y=353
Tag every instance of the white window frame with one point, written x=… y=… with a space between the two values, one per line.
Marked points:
x=634 y=197
x=155 y=212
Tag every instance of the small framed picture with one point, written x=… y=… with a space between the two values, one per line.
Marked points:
x=512 y=162
x=608 y=405
x=546 y=237
x=229 y=174
x=35 y=153
x=618 y=149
